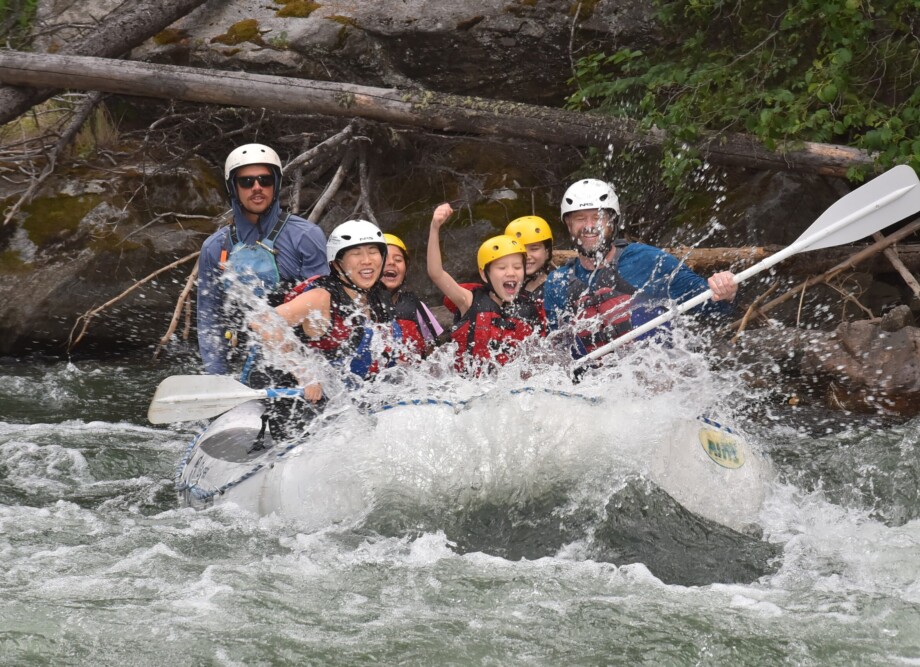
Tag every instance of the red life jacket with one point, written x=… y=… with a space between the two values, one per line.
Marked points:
x=603 y=309
x=490 y=333
x=349 y=325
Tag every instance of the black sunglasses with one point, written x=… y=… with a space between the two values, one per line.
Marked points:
x=246 y=182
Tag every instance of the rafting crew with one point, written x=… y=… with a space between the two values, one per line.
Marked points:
x=495 y=317
x=614 y=285
x=351 y=304
x=262 y=252
x=420 y=328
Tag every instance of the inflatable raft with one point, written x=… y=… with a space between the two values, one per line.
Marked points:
x=498 y=447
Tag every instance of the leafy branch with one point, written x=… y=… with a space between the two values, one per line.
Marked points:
x=830 y=71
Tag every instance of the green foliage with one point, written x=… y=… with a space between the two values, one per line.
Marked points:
x=16 y=18
x=786 y=71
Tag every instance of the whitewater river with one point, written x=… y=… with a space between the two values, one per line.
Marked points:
x=100 y=564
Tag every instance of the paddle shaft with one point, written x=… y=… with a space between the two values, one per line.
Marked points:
x=233 y=396
x=797 y=246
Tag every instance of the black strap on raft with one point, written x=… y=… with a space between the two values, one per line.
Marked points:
x=259 y=444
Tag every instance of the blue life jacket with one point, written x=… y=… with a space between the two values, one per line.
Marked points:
x=253 y=264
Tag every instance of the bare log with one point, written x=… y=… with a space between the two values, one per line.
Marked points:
x=181 y=303
x=363 y=204
x=892 y=255
x=329 y=144
x=431 y=110
x=316 y=213
x=121 y=32
x=86 y=317
x=753 y=309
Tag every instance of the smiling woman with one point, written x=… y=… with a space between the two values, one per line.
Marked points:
x=338 y=315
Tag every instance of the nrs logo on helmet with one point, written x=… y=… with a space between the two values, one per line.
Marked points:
x=589 y=193
x=353 y=233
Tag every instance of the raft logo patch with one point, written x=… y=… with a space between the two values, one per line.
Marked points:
x=723 y=448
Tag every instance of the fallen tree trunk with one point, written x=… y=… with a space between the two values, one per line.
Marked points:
x=431 y=110
x=121 y=32
x=707 y=261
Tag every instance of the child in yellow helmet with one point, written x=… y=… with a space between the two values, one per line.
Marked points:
x=534 y=233
x=494 y=317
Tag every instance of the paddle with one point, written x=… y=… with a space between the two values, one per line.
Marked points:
x=190 y=397
x=882 y=201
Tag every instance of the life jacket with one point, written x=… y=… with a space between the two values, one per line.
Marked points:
x=349 y=339
x=452 y=307
x=410 y=315
x=537 y=292
x=602 y=309
x=490 y=333
x=253 y=264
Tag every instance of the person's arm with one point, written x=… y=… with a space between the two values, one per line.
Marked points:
x=662 y=277
x=312 y=311
x=211 y=343
x=461 y=296
x=313 y=253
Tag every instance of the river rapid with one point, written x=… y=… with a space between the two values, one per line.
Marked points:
x=101 y=564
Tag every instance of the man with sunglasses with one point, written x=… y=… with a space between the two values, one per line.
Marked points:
x=613 y=285
x=260 y=254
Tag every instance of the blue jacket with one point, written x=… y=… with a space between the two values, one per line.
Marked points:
x=300 y=254
x=657 y=277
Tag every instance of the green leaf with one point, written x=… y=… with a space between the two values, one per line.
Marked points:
x=827 y=93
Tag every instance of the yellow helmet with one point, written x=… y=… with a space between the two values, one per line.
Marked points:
x=392 y=239
x=529 y=229
x=496 y=248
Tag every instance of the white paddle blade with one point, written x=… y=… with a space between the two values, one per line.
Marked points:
x=883 y=208
x=191 y=397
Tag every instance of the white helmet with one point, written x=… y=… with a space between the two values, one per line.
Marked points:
x=354 y=233
x=251 y=154
x=587 y=194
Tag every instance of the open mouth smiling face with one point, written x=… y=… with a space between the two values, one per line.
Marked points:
x=394 y=272
x=507 y=276
x=588 y=228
